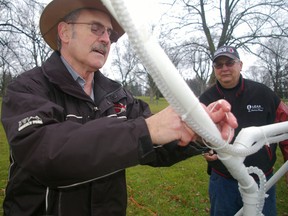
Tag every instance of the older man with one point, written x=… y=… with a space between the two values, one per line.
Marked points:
x=254 y=104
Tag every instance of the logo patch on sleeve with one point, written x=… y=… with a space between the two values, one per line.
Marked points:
x=26 y=122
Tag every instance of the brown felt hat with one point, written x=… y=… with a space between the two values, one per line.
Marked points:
x=56 y=10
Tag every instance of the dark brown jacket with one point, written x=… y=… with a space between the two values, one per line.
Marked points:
x=68 y=152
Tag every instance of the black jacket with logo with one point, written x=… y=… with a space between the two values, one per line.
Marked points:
x=68 y=152
x=253 y=104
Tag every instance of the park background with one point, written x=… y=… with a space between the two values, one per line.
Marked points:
x=189 y=31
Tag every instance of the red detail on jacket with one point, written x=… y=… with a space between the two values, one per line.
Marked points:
x=281 y=116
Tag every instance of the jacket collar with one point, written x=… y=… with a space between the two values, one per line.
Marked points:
x=57 y=73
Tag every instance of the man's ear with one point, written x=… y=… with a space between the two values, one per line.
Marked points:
x=241 y=65
x=64 y=32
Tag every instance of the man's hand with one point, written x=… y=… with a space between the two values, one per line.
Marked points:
x=167 y=126
x=210 y=156
x=220 y=113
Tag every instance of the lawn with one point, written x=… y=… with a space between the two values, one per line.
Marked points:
x=177 y=190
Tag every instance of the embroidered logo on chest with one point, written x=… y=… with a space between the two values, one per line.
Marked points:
x=255 y=108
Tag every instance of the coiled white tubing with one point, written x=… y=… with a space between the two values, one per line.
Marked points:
x=165 y=75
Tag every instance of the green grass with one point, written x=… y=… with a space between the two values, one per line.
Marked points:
x=3 y=161
x=156 y=105
x=180 y=190
x=4 y=152
x=177 y=190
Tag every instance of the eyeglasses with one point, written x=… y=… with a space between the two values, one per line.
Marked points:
x=98 y=29
x=229 y=63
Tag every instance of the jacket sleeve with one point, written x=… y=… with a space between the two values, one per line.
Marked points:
x=172 y=153
x=281 y=116
x=165 y=155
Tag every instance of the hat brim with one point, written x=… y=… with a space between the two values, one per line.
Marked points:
x=225 y=54
x=56 y=10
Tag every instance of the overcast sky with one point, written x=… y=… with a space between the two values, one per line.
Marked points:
x=150 y=11
x=143 y=9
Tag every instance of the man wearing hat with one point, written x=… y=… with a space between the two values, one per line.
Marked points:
x=72 y=131
x=253 y=104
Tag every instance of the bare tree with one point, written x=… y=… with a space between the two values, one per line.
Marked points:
x=175 y=57
x=259 y=74
x=196 y=85
x=131 y=71
x=197 y=62
x=5 y=69
x=32 y=48
x=126 y=63
x=21 y=44
x=152 y=89
x=230 y=22
x=274 y=58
